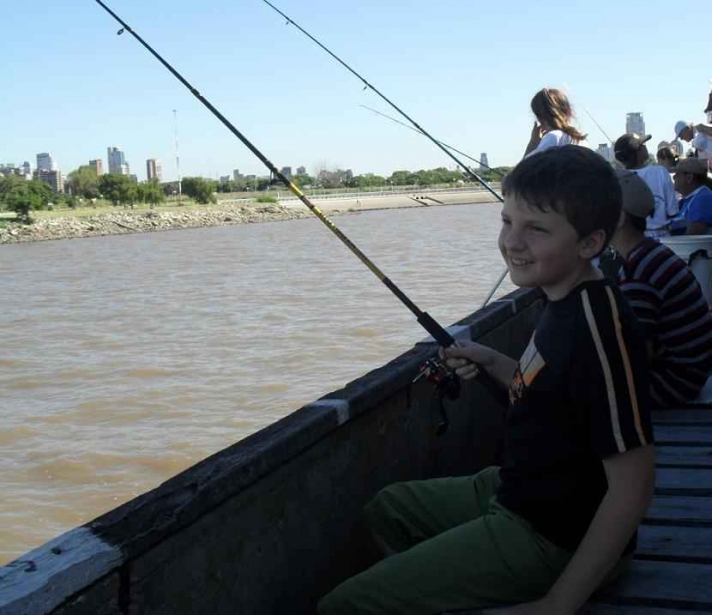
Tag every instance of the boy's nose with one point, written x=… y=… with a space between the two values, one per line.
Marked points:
x=513 y=240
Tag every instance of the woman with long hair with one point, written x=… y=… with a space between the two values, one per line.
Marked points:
x=553 y=126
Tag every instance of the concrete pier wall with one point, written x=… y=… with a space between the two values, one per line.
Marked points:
x=272 y=523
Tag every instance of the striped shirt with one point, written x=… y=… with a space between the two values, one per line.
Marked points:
x=668 y=302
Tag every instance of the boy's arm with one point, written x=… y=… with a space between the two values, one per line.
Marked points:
x=631 y=481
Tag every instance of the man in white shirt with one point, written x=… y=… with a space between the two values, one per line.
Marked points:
x=631 y=151
x=698 y=135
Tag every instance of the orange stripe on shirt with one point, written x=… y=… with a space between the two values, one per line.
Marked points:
x=626 y=364
x=605 y=366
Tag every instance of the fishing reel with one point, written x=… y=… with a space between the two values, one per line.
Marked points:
x=447 y=384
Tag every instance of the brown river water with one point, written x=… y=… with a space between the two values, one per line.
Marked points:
x=126 y=359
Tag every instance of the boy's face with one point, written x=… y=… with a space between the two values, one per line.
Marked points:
x=542 y=248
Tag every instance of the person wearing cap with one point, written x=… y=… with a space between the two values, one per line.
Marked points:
x=698 y=136
x=692 y=182
x=667 y=300
x=631 y=151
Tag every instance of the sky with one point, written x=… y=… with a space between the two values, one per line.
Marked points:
x=465 y=71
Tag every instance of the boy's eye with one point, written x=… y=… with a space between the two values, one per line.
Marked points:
x=539 y=229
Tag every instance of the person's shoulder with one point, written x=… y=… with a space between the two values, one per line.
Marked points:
x=706 y=193
x=647 y=258
x=550 y=139
x=590 y=297
x=654 y=170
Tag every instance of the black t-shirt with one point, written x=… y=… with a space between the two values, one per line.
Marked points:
x=580 y=395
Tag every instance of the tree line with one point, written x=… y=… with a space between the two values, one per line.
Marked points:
x=22 y=196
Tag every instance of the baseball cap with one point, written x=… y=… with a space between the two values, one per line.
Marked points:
x=638 y=199
x=680 y=125
x=697 y=166
x=629 y=143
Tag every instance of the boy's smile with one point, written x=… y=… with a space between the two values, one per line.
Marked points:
x=542 y=248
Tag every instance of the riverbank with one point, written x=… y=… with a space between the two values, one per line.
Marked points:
x=141 y=220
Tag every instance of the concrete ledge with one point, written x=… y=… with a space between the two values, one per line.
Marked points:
x=44 y=579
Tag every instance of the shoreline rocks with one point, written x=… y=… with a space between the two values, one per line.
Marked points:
x=125 y=221
x=122 y=222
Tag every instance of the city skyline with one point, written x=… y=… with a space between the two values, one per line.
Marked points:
x=118 y=163
x=119 y=94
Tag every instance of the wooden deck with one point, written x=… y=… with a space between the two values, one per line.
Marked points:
x=672 y=571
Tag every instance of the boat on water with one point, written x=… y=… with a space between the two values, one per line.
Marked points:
x=272 y=523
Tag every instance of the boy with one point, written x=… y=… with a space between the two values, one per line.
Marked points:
x=554 y=521
x=667 y=300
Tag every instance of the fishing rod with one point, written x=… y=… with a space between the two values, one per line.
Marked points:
x=415 y=124
x=446 y=381
x=597 y=124
x=504 y=273
x=454 y=149
x=367 y=85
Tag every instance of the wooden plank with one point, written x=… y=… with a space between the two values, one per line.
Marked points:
x=700 y=435
x=688 y=416
x=690 y=456
x=663 y=584
x=680 y=510
x=683 y=481
x=674 y=543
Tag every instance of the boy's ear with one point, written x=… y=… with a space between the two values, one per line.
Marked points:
x=592 y=244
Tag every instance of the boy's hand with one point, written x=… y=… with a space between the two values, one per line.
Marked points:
x=465 y=357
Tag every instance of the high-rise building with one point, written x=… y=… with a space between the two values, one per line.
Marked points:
x=301 y=170
x=604 y=149
x=53 y=178
x=26 y=170
x=484 y=163
x=154 y=170
x=117 y=162
x=708 y=109
x=7 y=170
x=98 y=166
x=236 y=174
x=634 y=122
x=286 y=171
x=45 y=162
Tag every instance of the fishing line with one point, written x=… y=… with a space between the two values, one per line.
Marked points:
x=367 y=85
x=454 y=149
x=415 y=124
x=593 y=119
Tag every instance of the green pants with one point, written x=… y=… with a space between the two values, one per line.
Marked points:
x=457 y=549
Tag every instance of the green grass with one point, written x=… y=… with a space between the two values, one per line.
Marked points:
x=266 y=198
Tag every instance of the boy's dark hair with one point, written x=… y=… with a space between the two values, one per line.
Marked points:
x=572 y=181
